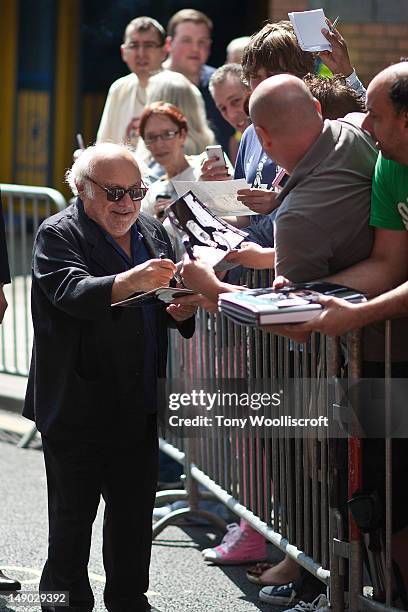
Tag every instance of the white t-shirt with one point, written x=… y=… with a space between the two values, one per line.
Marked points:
x=126 y=99
x=164 y=185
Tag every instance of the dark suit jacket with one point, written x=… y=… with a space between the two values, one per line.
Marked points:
x=4 y=266
x=86 y=374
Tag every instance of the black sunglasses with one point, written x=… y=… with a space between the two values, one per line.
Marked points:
x=115 y=194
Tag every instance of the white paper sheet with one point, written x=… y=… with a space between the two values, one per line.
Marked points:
x=219 y=196
x=307 y=26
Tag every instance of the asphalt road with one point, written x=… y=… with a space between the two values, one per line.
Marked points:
x=180 y=580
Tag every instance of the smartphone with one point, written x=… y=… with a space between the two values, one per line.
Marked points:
x=162 y=196
x=280 y=180
x=214 y=151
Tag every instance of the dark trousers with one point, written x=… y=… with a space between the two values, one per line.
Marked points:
x=78 y=472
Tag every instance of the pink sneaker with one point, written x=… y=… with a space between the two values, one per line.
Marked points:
x=240 y=544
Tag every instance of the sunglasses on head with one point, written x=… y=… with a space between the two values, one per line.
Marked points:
x=115 y=194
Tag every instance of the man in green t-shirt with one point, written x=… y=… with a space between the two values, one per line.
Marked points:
x=389 y=200
x=385 y=269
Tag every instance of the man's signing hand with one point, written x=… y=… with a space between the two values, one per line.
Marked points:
x=152 y=273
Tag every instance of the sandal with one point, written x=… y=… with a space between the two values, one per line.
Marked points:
x=255 y=572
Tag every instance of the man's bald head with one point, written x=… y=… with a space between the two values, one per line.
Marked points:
x=387 y=111
x=283 y=108
x=282 y=102
x=391 y=77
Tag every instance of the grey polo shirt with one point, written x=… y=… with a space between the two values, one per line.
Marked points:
x=322 y=224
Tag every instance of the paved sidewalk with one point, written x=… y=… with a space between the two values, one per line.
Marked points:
x=180 y=580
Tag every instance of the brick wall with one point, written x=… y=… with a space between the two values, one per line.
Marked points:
x=372 y=46
x=278 y=9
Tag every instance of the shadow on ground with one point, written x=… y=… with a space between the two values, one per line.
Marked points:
x=202 y=537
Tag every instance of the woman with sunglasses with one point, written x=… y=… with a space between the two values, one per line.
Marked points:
x=163 y=128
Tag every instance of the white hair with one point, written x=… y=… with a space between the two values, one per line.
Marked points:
x=175 y=88
x=83 y=167
x=237 y=45
x=220 y=75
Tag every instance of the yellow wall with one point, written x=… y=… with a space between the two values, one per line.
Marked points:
x=92 y=107
x=8 y=65
x=66 y=88
x=32 y=154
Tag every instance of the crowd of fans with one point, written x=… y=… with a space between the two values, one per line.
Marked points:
x=342 y=215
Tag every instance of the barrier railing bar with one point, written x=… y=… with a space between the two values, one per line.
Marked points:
x=336 y=563
x=388 y=467
x=25 y=327
x=354 y=477
x=22 y=203
x=18 y=191
x=12 y=259
x=365 y=603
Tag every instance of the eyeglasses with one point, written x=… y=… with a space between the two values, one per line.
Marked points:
x=146 y=46
x=115 y=194
x=168 y=135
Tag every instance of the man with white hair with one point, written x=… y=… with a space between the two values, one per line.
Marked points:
x=93 y=378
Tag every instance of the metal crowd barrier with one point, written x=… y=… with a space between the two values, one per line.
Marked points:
x=291 y=490
x=24 y=208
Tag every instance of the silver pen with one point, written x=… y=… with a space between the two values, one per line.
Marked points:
x=176 y=275
x=334 y=24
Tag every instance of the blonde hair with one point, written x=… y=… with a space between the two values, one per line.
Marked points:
x=174 y=88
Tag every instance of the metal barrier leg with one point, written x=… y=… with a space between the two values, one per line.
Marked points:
x=355 y=481
x=171 y=495
x=191 y=495
x=27 y=438
x=174 y=517
x=336 y=532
